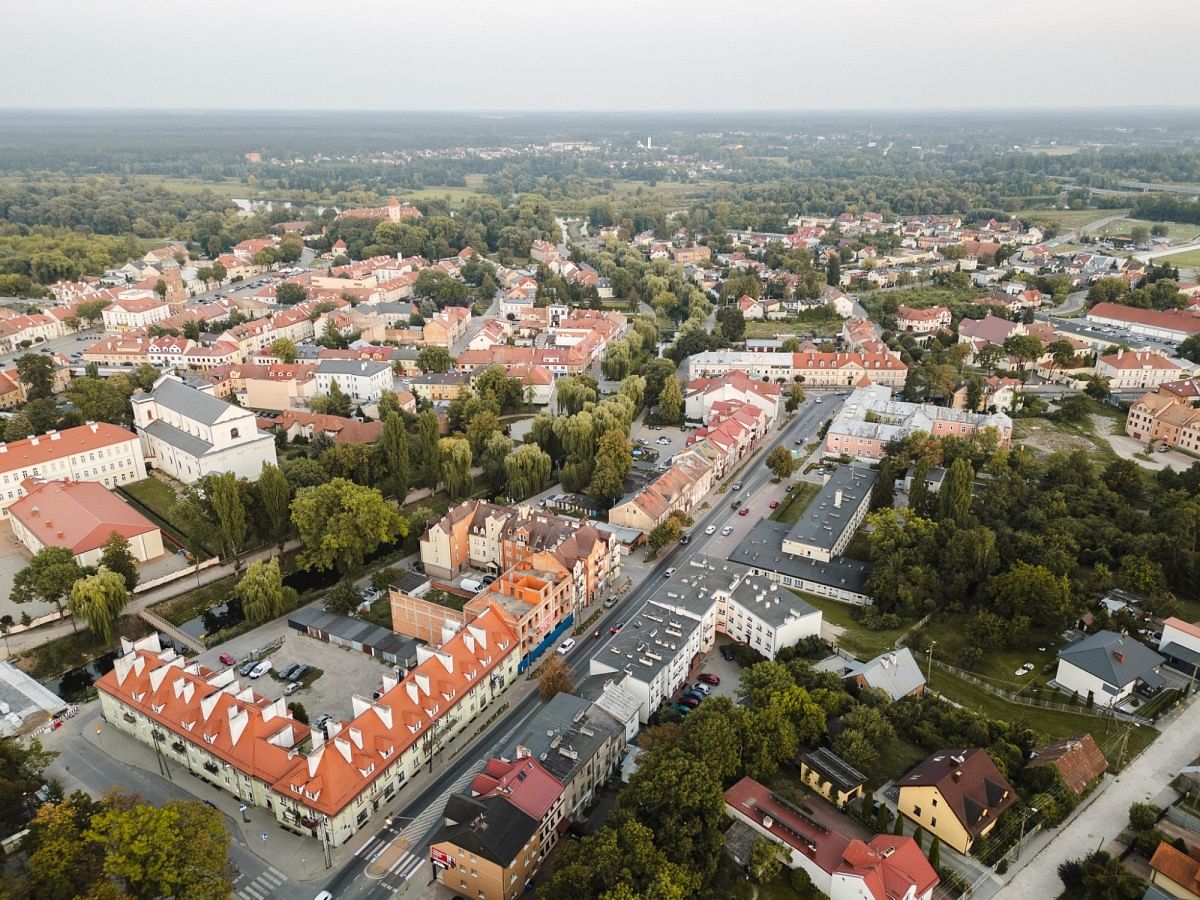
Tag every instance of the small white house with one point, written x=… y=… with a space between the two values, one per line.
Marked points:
x=362 y=380
x=1108 y=667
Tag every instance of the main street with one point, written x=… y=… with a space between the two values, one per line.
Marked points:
x=404 y=843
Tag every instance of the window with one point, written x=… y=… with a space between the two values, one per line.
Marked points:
x=233 y=434
x=934 y=802
x=933 y=822
x=917 y=811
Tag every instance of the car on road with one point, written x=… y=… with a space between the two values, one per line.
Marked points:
x=735 y=504
x=685 y=539
x=727 y=531
x=324 y=895
x=727 y=652
x=709 y=678
x=227 y=659
x=774 y=504
x=616 y=629
x=261 y=669
x=596 y=633
x=292 y=687
x=736 y=486
x=799 y=442
x=711 y=529
x=669 y=572
x=818 y=400
x=744 y=511
x=566 y=646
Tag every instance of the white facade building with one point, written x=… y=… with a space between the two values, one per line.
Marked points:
x=362 y=380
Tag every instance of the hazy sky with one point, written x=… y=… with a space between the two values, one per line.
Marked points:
x=598 y=54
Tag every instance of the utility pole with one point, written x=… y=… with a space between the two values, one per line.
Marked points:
x=1124 y=744
x=929 y=665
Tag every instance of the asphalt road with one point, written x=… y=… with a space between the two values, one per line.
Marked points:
x=351 y=881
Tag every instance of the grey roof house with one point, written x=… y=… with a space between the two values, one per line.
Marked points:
x=895 y=673
x=1108 y=667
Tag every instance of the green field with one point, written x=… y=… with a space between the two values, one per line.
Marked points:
x=1175 y=231
x=158 y=497
x=1186 y=259
x=1052 y=722
x=774 y=328
x=997 y=665
x=856 y=638
x=456 y=196
x=1066 y=219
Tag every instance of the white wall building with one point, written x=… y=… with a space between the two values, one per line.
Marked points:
x=362 y=380
x=188 y=433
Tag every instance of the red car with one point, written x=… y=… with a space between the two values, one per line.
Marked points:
x=708 y=678
x=691 y=702
x=744 y=511
x=227 y=659
x=773 y=504
x=616 y=628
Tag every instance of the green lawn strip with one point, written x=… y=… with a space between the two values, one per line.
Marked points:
x=797 y=501
x=154 y=499
x=1052 y=722
x=997 y=665
x=856 y=638
x=1185 y=259
x=184 y=607
x=380 y=612
x=825 y=326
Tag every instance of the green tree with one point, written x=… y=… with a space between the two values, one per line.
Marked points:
x=1031 y=591
x=662 y=534
x=262 y=592
x=177 y=850
x=482 y=426
x=36 y=371
x=781 y=462
x=935 y=853
x=21 y=768
x=426 y=450
x=275 y=494
x=394 y=447
x=733 y=323
x=435 y=359
x=335 y=403
x=47 y=578
x=955 y=496
x=670 y=403
x=554 y=678
x=1025 y=348
x=833 y=270
x=527 y=471
x=102 y=399
x=494 y=456
x=60 y=864
x=99 y=600
x=766 y=859
x=117 y=557
x=284 y=349
x=634 y=387
x=225 y=494
x=455 y=461
x=614 y=458
x=340 y=523
x=289 y=293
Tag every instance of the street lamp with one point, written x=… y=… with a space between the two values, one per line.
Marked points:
x=1021 y=836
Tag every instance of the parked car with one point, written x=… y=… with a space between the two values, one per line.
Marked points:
x=566 y=646
x=682 y=708
x=689 y=702
x=610 y=602
x=711 y=529
x=702 y=688
x=322 y=719
x=261 y=669
x=727 y=652
x=370 y=595
x=694 y=694
x=774 y=504
x=248 y=667
x=685 y=539
x=301 y=670
x=227 y=659
x=292 y=687
x=288 y=673
x=789 y=488
x=709 y=678
x=727 y=531
x=818 y=400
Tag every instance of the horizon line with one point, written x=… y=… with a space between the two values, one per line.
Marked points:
x=514 y=111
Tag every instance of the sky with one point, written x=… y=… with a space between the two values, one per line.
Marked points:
x=584 y=55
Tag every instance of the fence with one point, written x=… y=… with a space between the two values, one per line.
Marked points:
x=1040 y=704
x=144 y=586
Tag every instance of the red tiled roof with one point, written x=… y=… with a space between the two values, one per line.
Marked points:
x=78 y=515
x=1078 y=761
x=1180 y=868
x=33 y=451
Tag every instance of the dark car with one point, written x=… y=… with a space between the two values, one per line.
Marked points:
x=685 y=539
x=301 y=671
x=735 y=504
x=709 y=678
x=682 y=708
x=727 y=652
x=689 y=702
x=616 y=628
x=696 y=695
x=245 y=670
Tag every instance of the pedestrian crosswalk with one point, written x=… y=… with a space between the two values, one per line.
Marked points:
x=263 y=885
x=404 y=865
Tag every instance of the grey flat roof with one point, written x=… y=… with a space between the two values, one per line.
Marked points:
x=568 y=732
x=348 y=629
x=825 y=520
x=693 y=585
x=644 y=646
x=1181 y=653
x=25 y=697
x=762 y=549
x=195 y=404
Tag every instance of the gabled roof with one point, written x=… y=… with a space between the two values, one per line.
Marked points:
x=78 y=515
x=1078 y=761
x=969 y=781
x=490 y=827
x=1116 y=659
x=1177 y=866
x=895 y=672
x=189 y=402
x=890 y=866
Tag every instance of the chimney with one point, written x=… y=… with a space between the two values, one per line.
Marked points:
x=837 y=499
x=957 y=775
x=1120 y=352
x=33 y=441
x=94 y=427
x=767 y=821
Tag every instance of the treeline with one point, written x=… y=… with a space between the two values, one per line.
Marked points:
x=1163 y=207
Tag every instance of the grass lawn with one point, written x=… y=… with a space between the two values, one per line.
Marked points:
x=1189 y=258
x=1052 y=436
x=997 y=665
x=1175 y=231
x=856 y=638
x=1066 y=219
x=456 y=195
x=380 y=612
x=185 y=607
x=827 y=327
x=157 y=497
x=1051 y=722
x=797 y=501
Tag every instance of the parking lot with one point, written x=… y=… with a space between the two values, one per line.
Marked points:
x=343 y=672
x=667 y=440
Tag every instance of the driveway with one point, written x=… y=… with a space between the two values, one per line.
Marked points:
x=13 y=558
x=1106 y=816
x=1128 y=448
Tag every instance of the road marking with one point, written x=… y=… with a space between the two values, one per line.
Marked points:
x=249 y=893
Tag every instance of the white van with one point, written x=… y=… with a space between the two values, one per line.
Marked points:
x=470 y=584
x=261 y=669
x=566 y=647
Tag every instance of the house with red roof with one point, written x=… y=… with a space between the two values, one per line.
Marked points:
x=823 y=844
x=910 y=320
x=81 y=516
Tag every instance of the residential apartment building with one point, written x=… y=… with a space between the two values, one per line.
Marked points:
x=958 y=795
x=97 y=451
x=1169 y=416
x=447 y=327
x=438 y=386
x=1137 y=370
x=363 y=381
x=488 y=847
x=142 y=312
x=700 y=394
x=812 y=368
x=188 y=433
x=826 y=526
x=469 y=535
x=922 y=321
x=276 y=387
x=679 y=488
x=326 y=783
x=535 y=599
x=870 y=419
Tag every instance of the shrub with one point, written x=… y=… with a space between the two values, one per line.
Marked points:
x=1143 y=816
